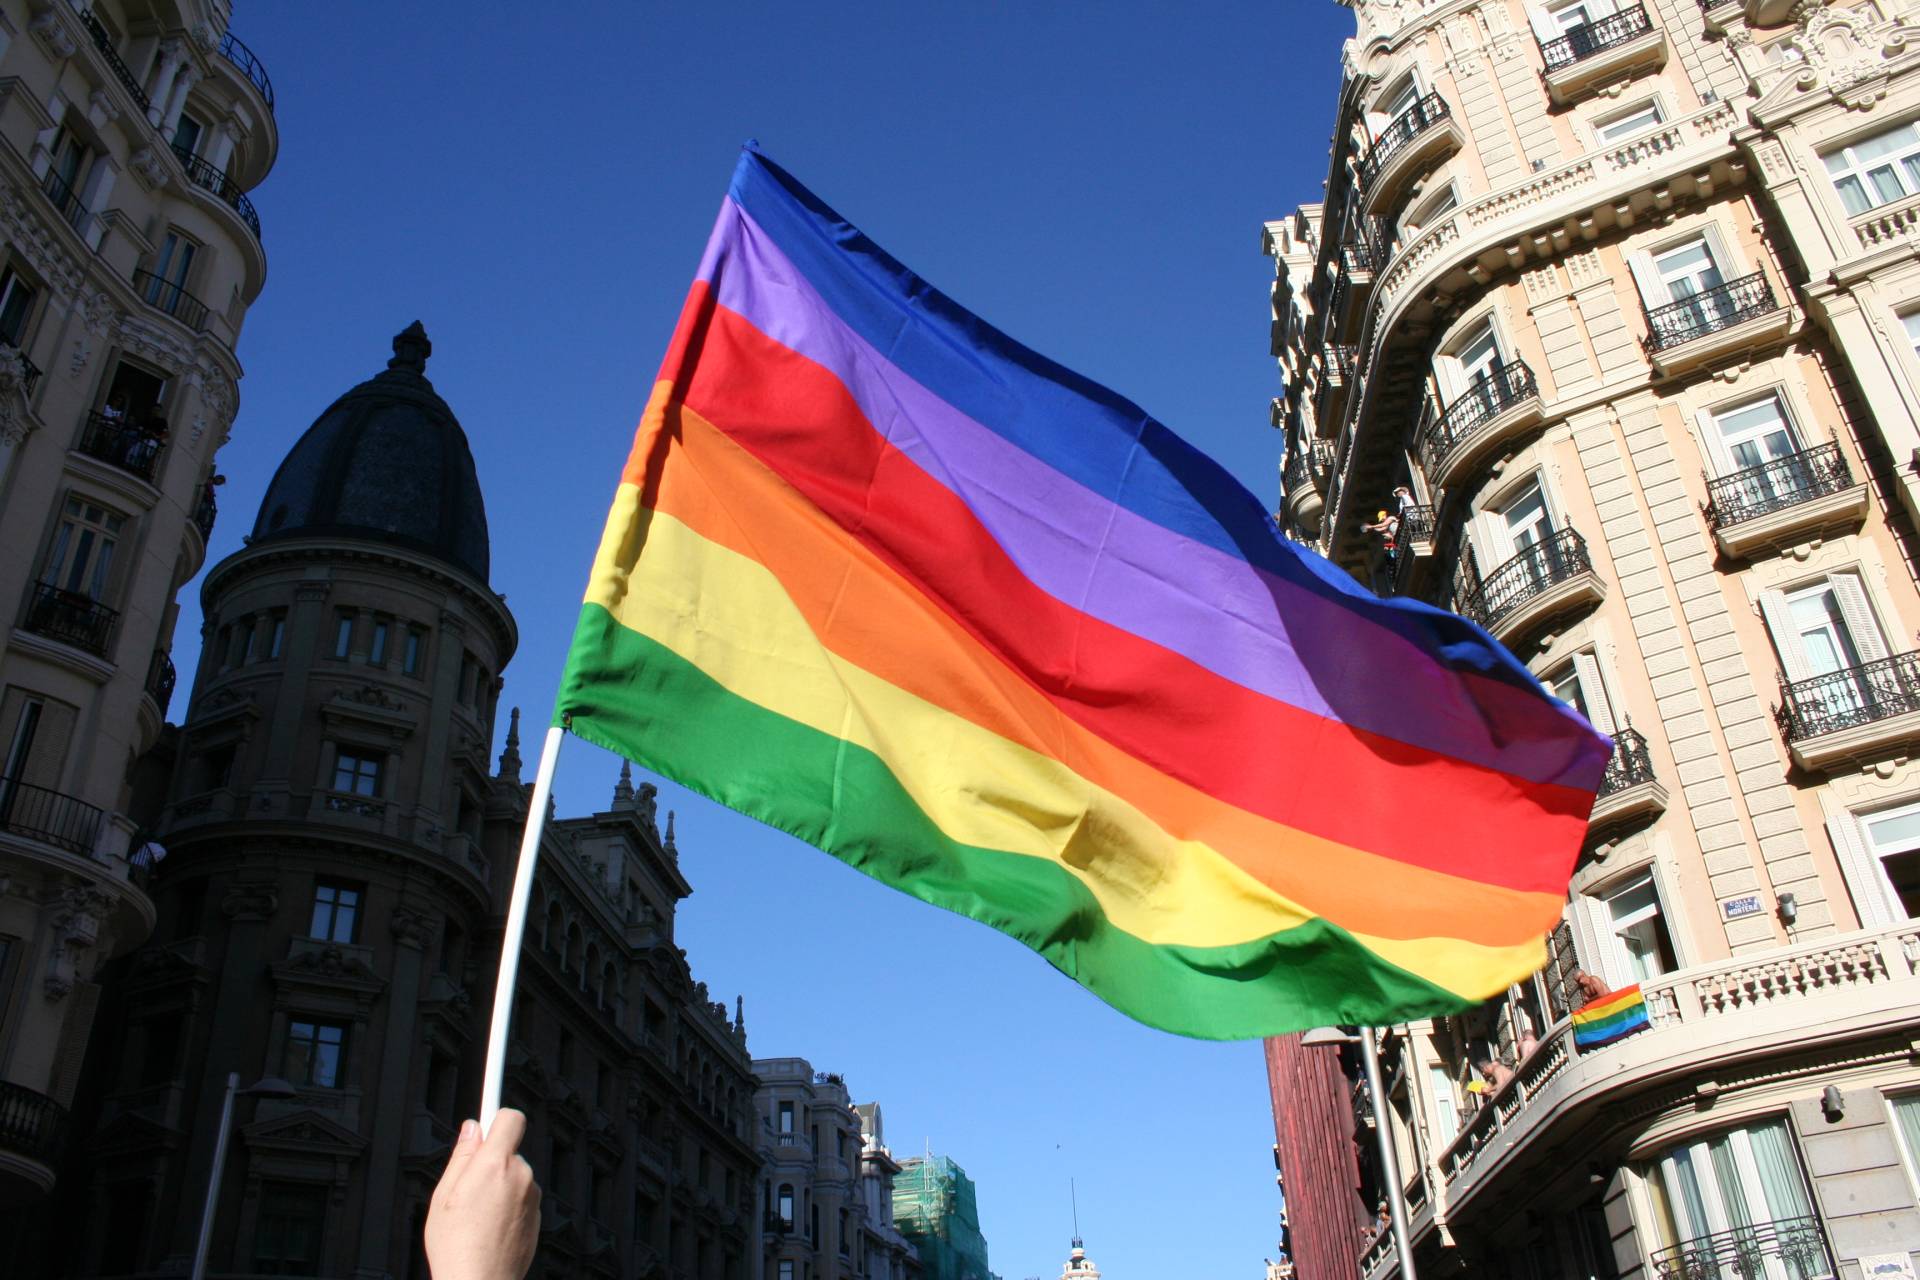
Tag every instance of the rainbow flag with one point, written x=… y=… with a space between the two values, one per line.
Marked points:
x=1610 y=1018
x=883 y=578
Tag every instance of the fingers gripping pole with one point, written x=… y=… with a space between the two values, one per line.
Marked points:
x=496 y=1073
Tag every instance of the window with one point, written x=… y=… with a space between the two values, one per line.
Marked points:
x=216 y=766
x=186 y=135
x=1580 y=686
x=1912 y=322
x=415 y=651
x=356 y=774
x=1735 y=1181
x=16 y=305
x=1635 y=119
x=1430 y=210
x=786 y=1269
x=1824 y=628
x=1877 y=170
x=291 y=1224
x=1687 y=269
x=278 y=637
x=342 y=635
x=1906 y=1122
x=785 y=1203
x=1446 y=1118
x=315 y=1053
x=1400 y=99
x=21 y=748
x=166 y=287
x=336 y=912
x=1639 y=932
x=786 y=1117
x=249 y=637
x=1752 y=435
x=1580 y=13
x=377 y=649
x=69 y=165
x=1893 y=841
x=83 y=546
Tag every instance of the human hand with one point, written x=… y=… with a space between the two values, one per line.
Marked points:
x=484 y=1219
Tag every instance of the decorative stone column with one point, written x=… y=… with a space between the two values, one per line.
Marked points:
x=413 y=931
x=173 y=56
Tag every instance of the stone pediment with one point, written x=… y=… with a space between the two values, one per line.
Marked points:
x=131 y=1133
x=370 y=707
x=304 y=1131
x=1838 y=55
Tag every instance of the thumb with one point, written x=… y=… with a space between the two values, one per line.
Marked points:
x=464 y=1148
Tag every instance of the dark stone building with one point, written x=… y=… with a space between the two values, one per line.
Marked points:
x=340 y=851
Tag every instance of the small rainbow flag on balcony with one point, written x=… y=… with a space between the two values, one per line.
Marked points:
x=883 y=578
x=1612 y=1017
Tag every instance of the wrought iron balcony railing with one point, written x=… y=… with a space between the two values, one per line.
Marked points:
x=1340 y=359
x=29 y=371
x=1416 y=525
x=1408 y=125
x=1778 y=484
x=1357 y=255
x=160 y=679
x=1540 y=567
x=204 y=514
x=1630 y=765
x=135 y=450
x=1594 y=37
x=208 y=178
x=1797 y=1242
x=170 y=298
x=1324 y=460
x=1492 y=395
x=242 y=57
x=1710 y=311
x=1849 y=698
x=70 y=618
x=1296 y=473
x=65 y=202
x=104 y=43
x=31 y=1124
x=48 y=816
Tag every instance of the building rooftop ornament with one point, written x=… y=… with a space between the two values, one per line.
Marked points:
x=1079 y=1266
x=623 y=789
x=510 y=758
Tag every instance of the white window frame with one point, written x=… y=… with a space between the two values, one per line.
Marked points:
x=1584 y=671
x=1850 y=592
x=1752 y=1185
x=1604 y=125
x=78 y=532
x=1863 y=867
x=1843 y=164
x=1909 y=1158
x=1713 y=440
x=1409 y=87
x=1595 y=943
x=1492 y=540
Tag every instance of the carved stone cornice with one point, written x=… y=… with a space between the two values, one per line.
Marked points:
x=251 y=900
x=38 y=243
x=415 y=929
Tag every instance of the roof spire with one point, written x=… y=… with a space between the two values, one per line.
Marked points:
x=667 y=844
x=510 y=758
x=411 y=349
x=623 y=789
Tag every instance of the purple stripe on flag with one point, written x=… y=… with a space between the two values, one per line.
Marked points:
x=1236 y=620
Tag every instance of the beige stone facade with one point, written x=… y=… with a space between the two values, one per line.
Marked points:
x=826 y=1190
x=1624 y=297
x=129 y=254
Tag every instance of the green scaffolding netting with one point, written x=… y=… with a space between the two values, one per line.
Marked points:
x=934 y=1207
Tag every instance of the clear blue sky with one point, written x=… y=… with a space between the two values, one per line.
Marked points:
x=535 y=184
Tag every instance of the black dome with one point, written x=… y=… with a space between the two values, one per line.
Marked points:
x=386 y=462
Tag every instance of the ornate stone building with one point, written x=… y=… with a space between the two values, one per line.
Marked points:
x=1606 y=327
x=129 y=255
x=827 y=1180
x=340 y=853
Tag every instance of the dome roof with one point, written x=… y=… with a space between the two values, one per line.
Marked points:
x=386 y=462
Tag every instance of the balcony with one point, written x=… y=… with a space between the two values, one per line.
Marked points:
x=204 y=513
x=64 y=201
x=1851 y=715
x=1416 y=139
x=1413 y=541
x=249 y=66
x=49 y=817
x=1728 y=319
x=1783 y=1001
x=1551 y=578
x=1784 y=501
x=161 y=678
x=1743 y=1251
x=33 y=1136
x=29 y=371
x=1493 y=412
x=117 y=443
x=1305 y=501
x=1336 y=383
x=170 y=299
x=121 y=72
x=210 y=179
x=1600 y=53
x=70 y=618
x=1628 y=789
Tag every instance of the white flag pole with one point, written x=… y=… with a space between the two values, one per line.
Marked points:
x=496 y=1074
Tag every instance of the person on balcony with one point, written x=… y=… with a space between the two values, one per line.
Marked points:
x=1588 y=988
x=1496 y=1073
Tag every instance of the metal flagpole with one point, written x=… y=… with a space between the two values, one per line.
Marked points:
x=495 y=1078
x=1389 y=1161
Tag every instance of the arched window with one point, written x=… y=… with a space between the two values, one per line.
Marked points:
x=590 y=974
x=576 y=942
x=556 y=929
x=537 y=911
